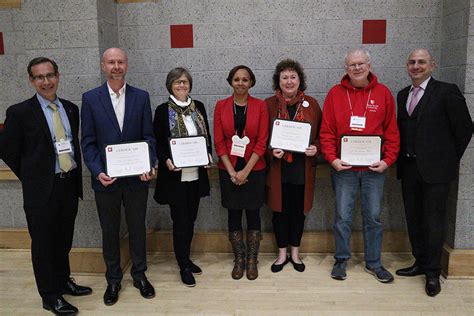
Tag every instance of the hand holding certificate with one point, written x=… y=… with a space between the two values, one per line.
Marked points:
x=291 y=136
x=127 y=159
x=189 y=151
x=361 y=151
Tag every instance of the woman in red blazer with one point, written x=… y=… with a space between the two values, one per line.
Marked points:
x=240 y=138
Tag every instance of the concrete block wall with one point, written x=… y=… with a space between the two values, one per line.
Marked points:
x=259 y=34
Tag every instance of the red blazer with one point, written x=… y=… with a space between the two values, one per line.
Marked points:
x=256 y=129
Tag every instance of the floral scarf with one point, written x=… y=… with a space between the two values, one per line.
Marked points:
x=176 y=121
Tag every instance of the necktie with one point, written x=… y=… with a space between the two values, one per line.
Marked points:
x=59 y=133
x=414 y=100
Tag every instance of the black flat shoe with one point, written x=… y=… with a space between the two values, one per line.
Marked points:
x=187 y=277
x=410 y=271
x=278 y=267
x=60 y=307
x=111 y=294
x=195 y=269
x=432 y=287
x=146 y=289
x=298 y=266
x=71 y=288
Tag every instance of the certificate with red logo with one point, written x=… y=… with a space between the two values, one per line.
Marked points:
x=127 y=159
x=289 y=135
x=189 y=151
x=361 y=150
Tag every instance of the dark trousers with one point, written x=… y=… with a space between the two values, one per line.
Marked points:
x=234 y=220
x=183 y=214
x=51 y=228
x=425 y=211
x=109 y=209
x=288 y=224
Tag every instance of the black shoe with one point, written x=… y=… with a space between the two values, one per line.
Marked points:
x=410 y=271
x=298 y=266
x=278 y=267
x=71 y=288
x=187 y=277
x=112 y=293
x=145 y=287
x=60 y=307
x=195 y=269
x=432 y=287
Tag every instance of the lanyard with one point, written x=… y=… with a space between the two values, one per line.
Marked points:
x=350 y=104
x=245 y=118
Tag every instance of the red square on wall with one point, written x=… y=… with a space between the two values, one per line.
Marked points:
x=181 y=36
x=2 y=48
x=374 y=31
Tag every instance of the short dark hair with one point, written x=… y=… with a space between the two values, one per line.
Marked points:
x=289 y=64
x=237 y=68
x=40 y=60
x=174 y=75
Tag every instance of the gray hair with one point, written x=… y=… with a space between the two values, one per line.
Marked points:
x=357 y=51
x=175 y=74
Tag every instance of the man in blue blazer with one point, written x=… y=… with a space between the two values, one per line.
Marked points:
x=118 y=113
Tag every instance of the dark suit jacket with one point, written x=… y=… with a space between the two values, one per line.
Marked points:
x=99 y=127
x=444 y=129
x=256 y=129
x=27 y=148
x=168 y=182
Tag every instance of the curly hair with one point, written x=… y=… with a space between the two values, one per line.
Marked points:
x=289 y=64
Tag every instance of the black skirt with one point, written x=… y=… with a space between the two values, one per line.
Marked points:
x=249 y=196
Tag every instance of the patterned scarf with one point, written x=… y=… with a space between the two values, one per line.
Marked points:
x=176 y=121
x=283 y=105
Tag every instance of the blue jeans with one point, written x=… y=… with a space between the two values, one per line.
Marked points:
x=346 y=184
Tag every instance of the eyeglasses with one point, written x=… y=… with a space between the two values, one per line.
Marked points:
x=178 y=82
x=41 y=78
x=356 y=65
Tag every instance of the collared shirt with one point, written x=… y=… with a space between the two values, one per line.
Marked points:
x=420 y=94
x=118 y=102
x=48 y=114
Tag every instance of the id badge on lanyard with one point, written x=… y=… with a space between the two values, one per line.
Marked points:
x=239 y=145
x=357 y=123
x=63 y=146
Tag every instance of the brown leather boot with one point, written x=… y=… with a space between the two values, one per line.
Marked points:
x=237 y=241
x=253 y=243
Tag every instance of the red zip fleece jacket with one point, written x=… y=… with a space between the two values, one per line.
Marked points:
x=379 y=112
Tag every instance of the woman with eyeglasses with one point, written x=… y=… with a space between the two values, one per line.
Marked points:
x=240 y=138
x=291 y=175
x=181 y=188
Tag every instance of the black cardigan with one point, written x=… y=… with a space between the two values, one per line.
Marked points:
x=168 y=182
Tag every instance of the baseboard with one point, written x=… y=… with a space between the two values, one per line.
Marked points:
x=456 y=263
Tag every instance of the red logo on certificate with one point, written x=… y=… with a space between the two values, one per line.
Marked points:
x=109 y=149
x=277 y=123
x=173 y=142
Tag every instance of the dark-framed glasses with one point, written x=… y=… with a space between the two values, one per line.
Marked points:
x=42 y=78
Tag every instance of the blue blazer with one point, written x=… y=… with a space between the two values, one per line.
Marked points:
x=99 y=127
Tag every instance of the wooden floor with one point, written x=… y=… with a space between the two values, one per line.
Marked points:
x=312 y=292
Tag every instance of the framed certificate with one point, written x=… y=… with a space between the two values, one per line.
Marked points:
x=361 y=150
x=289 y=135
x=127 y=159
x=189 y=151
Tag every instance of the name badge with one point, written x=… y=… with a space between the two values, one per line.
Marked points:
x=239 y=145
x=63 y=146
x=357 y=122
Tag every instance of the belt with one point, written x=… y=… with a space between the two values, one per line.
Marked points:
x=64 y=175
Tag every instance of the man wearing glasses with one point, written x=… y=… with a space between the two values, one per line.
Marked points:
x=40 y=145
x=359 y=106
x=435 y=129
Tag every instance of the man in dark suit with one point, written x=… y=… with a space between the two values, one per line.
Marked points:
x=435 y=129
x=116 y=113
x=40 y=145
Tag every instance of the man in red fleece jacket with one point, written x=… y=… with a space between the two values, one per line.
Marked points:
x=359 y=105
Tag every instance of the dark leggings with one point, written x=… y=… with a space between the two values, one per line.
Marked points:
x=235 y=220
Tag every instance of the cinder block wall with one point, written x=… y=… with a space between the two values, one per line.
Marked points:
x=317 y=33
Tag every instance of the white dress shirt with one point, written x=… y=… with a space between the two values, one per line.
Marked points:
x=118 y=102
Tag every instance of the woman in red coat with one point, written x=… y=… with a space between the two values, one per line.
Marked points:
x=240 y=138
x=291 y=176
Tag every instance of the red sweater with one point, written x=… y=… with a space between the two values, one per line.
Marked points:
x=380 y=118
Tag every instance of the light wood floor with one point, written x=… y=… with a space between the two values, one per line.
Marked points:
x=312 y=292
